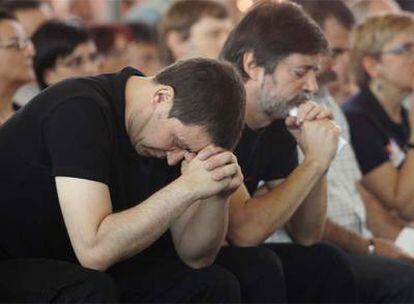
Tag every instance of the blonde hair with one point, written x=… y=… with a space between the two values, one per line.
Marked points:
x=363 y=8
x=369 y=37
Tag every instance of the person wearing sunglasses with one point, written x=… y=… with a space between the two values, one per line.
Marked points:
x=63 y=50
x=382 y=56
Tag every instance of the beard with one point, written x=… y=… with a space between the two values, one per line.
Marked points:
x=276 y=106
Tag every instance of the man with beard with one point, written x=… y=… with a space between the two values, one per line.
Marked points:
x=279 y=71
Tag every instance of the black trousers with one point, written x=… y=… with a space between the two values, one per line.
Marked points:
x=259 y=271
x=49 y=281
x=316 y=274
x=148 y=279
x=383 y=280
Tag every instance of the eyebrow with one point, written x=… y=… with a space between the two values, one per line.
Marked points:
x=181 y=144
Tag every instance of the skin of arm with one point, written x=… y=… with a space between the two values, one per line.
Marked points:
x=199 y=233
x=101 y=238
x=356 y=244
x=254 y=219
x=307 y=223
x=394 y=188
x=380 y=221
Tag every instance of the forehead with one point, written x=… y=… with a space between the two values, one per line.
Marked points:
x=192 y=137
x=10 y=29
x=403 y=37
x=382 y=6
x=84 y=48
x=301 y=61
x=209 y=23
x=336 y=34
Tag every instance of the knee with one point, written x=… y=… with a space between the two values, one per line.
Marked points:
x=332 y=258
x=219 y=280
x=101 y=288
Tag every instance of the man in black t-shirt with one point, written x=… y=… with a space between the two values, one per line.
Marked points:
x=74 y=188
x=279 y=68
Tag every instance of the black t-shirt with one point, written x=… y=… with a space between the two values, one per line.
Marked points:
x=266 y=155
x=75 y=129
x=375 y=137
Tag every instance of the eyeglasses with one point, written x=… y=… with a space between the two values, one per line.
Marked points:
x=402 y=49
x=15 y=44
x=78 y=61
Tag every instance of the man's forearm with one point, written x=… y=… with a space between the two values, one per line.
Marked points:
x=307 y=223
x=255 y=219
x=124 y=234
x=344 y=238
x=380 y=221
x=199 y=232
x=405 y=187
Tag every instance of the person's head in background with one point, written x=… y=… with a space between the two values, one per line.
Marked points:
x=30 y=13
x=194 y=28
x=145 y=54
x=113 y=43
x=277 y=48
x=382 y=55
x=16 y=61
x=336 y=21
x=365 y=8
x=63 y=50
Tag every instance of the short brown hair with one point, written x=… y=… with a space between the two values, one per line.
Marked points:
x=182 y=15
x=272 y=31
x=209 y=94
x=369 y=38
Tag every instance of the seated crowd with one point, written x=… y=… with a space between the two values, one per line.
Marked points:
x=265 y=157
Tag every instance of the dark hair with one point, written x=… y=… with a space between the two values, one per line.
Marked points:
x=105 y=35
x=272 y=31
x=16 y=5
x=53 y=40
x=143 y=33
x=320 y=10
x=5 y=15
x=210 y=94
x=182 y=15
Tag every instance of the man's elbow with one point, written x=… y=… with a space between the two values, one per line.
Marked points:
x=200 y=262
x=308 y=239
x=241 y=239
x=405 y=209
x=94 y=261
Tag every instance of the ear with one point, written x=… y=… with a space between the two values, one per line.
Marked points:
x=177 y=45
x=49 y=76
x=255 y=72
x=164 y=95
x=371 y=66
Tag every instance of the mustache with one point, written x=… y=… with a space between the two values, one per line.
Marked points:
x=327 y=77
x=302 y=97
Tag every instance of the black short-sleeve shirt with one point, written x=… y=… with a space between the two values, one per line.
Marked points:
x=75 y=129
x=375 y=137
x=266 y=155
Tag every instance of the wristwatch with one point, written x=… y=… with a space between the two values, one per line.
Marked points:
x=371 y=247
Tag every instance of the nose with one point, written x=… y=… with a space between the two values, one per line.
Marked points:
x=311 y=85
x=29 y=49
x=91 y=67
x=175 y=156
